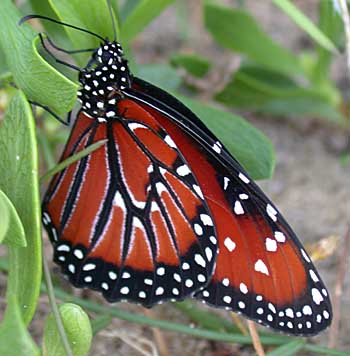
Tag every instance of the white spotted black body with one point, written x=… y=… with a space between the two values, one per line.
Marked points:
x=102 y=82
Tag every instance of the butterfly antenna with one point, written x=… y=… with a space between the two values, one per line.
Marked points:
x=29 y=17
x=110 y=9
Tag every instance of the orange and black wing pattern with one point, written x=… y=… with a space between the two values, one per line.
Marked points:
x=162 y=211
x=262 y=270
x=130 y=219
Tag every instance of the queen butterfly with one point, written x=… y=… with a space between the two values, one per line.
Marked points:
x=163 y=211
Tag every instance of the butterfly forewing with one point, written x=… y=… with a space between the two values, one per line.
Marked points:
x=130 y=219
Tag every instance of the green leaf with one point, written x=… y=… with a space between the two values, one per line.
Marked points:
x=331 y=23
x=237 y=30
x=15 y=340
x=77 y=326
x=19 y=181
x=289 y=349
x=270 y=339
x=4 y=215
x=192 y=63
x=3 y=64
x=247 y=144
x=266 y=91
x=205 y=319
x=44 y=8
x=10 y=224
x=40 y=82
x=89 y=15
x=306 y=24
x=142 y=14
x=100 y=323
x=161 y=75
x=127 y=8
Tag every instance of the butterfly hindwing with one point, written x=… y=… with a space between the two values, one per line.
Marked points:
x=262 y=269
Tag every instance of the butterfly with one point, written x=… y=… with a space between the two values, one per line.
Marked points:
x=162 y=210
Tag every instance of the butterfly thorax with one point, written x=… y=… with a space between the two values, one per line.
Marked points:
x=103 y=81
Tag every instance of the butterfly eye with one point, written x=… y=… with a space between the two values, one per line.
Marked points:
x=106 y=56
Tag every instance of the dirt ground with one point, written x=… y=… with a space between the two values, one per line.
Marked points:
x=311 y=186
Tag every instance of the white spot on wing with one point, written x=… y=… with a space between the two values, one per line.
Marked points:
x=119 y=201
x=216 y=148
x=198 y=229
x=279 y=236
x=241 y=305
x=159 y=291
x=243 y=178
x=112 y=275
x=226 y=282
x=185 y=266
x=199 y=260
x=64 y=248
x=243 y=288
x=136 y=222
x=161 y=271
x=142 y=294
x=290 y=313
x=170 y=141
x=198 y=191
x=78 y=254
x=87 y=279
x=189 y=283
x=230 y=245
x=227 y=299
x=126 y=275
x=201 y=278
x=272 y=307
x=134 y=125
x=226 y=181
x=238 y=209
x=183 y=170
x=261 y=267
x=306 y=257
x=271 y=245
x=148 y=281
x=71 y=268
x=316 y=296
x=89 y=267
x=271 y=212
x=307 y=310
x=313 y=276
x=124 y=290
x=160 y=187
x=208 y=253
x=206 y=219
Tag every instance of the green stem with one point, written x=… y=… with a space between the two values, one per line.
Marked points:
x=54 y=307
x=72 y=159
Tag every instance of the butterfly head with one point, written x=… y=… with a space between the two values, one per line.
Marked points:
x=103 y=81
x=109 y=53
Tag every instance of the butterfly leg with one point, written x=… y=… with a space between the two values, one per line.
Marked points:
x=46 y=108
x=56 y=59
x=65 y=50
